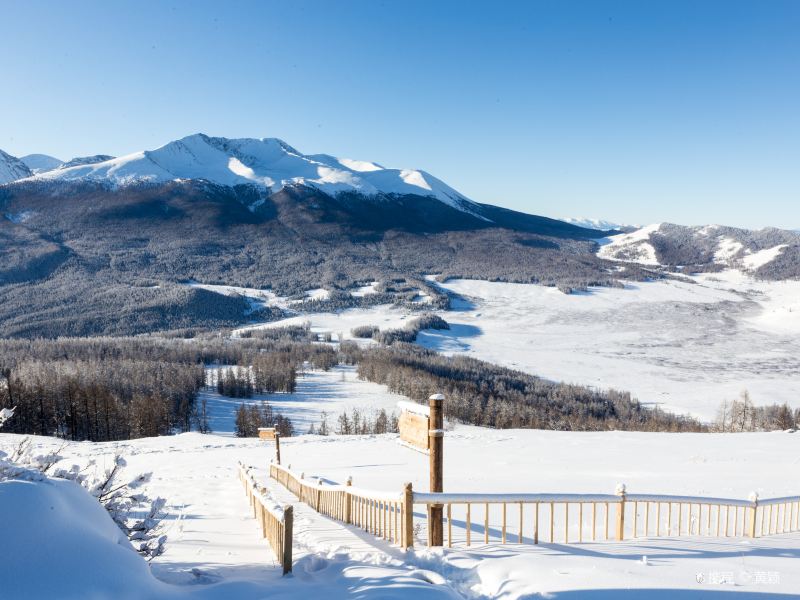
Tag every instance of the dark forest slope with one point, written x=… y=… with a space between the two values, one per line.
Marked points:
x=89 y=259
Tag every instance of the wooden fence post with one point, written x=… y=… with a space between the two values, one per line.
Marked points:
x=408 y=517
x=277 y=447
x=348 y=502
x=753 y=511
x=288 y=525
x=436 y=437
x=620 y=491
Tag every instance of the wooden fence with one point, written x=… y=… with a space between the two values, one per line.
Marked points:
x=565 y=518
x=384 y=515
x=275 y=521
x=533 y=518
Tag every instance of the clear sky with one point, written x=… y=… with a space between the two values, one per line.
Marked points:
x=635 y=112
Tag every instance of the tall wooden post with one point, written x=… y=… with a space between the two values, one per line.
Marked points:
x=436 y=437
x=277 y=447
x=288 y=526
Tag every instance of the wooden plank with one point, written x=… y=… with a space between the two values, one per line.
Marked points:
x=266 y=433
x=414 y=430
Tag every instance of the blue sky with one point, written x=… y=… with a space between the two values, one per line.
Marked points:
x=630 y=111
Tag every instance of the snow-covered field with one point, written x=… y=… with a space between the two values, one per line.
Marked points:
x=330 y=392
x=214 y=550
x=684 y=346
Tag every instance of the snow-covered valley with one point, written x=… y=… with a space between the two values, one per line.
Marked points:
x=699 y=340
x=685 y=345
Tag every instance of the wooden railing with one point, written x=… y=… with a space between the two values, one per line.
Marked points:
x=786 y=518
x=384 y=515
x=485 y=518
x=565 y=518
x=276 y=522
x=533 y=518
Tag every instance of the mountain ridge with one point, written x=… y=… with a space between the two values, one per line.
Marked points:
x=269 y=163
x=12 y=168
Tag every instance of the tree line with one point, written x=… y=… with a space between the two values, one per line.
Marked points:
x=358 y=422
x=742 y=415
x=268 y=373
x=103 y=389
x=113 y=399
x=481 y=393
x=249 y=419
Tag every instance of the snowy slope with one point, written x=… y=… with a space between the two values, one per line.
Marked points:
x=267 y=162
x=632 y=247
x=598 y=224
x=59 y=546
x=706 y=246
x=12 y=168
x=40 y=163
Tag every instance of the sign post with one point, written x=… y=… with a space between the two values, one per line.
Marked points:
x=269 y=433
x=422 y=429
x=436 y=455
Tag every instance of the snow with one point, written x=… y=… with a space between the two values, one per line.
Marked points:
x=364 y=290
x=60 y=543
x=636 y=247
x=686 y=347
x=631 y=247
x=39 y=163
x=599 y=224
x=267 y=162
x=384 y=316
x=318 y=294
x=214 y=550
x=727 y=250
x=683 y=346
x=331 y=391
x=758 y=259
x=20 y=217
x=12 y=168
x=257 y=298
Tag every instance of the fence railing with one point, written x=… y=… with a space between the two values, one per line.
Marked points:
x=533 y=518
x=276 y=522
x=384 y=515
x=565 y=518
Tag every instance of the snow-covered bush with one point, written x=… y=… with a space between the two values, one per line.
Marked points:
x=5 y=415
x=138 y=516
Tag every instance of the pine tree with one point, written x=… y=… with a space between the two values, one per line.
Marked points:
x=241 y=421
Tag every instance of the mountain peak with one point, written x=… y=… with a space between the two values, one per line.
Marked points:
x=12 y=168
x=39 y=163
x=270 y=163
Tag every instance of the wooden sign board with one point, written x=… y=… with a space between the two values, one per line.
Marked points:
x=414 y=429
x=266 y=433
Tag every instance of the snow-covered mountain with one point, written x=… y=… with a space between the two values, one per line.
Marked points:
x=86 y=160
x=12 y=168
x=39 y=163
x=598 y=224
x=267 y=162
x=706 y=247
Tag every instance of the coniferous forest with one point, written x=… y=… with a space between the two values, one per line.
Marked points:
x=121 y=388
